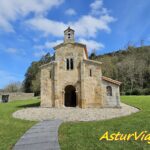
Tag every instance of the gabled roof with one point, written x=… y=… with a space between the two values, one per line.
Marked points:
x=111 y=80
x=69 y=29
x=48 y=64
x=93 y=61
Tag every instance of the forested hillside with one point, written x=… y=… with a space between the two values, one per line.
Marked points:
x=131 y=67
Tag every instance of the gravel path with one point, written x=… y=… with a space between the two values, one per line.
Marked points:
x=73 y=114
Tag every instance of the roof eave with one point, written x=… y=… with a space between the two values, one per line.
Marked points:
x=111 y=80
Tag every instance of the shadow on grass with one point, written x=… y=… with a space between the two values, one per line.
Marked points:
x=29 y=105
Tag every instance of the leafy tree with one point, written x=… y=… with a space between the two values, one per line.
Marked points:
x=93 y=55
x=32 y=77
x=130 y=66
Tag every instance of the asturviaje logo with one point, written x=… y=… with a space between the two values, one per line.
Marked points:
x=142 y=136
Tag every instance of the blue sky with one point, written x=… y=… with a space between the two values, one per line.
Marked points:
x=29 y=29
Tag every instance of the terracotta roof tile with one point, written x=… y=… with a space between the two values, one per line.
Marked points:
x=111 y=80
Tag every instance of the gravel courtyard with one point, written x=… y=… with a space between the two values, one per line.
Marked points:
x=73 y=114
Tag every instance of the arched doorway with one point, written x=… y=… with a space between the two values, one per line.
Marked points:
x=70 y=96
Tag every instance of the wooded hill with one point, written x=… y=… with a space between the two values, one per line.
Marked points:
x=131 y=67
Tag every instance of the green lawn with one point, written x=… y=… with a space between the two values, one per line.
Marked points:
x=85 y=135
x=81 y=135
x=12 y=129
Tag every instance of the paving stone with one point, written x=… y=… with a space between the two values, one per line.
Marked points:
x=36 y=134
x=42 y=136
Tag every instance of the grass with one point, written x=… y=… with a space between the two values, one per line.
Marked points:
x=85 y=135
x=80 y=135
x=12 y=129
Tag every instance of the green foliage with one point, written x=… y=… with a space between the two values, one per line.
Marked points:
x=131 y=67
x=32 y=77
x=85 y=135
x=146 y=91
x=93 y=55
x=136 y=92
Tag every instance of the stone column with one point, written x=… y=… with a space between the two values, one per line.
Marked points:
x=77 y=100
x=83 y=101
x=63 y=98
x=118 y=98
x=56 y=86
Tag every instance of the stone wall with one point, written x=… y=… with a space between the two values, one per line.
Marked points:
x=90 y=89
x=92 y=84
x=47 y=97
x=17 y=96
x=55 y=77
x=114 y=100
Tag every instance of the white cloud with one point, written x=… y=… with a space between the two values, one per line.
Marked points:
x=5 y=25
x=52 y=44
x=47 y=26
x=11 y=10
x=15 y=51
x=97 y=8
x=86 y=26
x=11 y=50
x=70 y=12
x=97 y=4
x=48 y=45
x=41 y=50
x=92 y=45
x=39 y=53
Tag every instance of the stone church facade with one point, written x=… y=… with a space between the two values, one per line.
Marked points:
x=72 y=80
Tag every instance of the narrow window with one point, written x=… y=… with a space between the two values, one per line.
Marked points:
x=90 y=72
x=50 y=74
x=67 y=64
x=109 y=90
x=68 y=35
x=71 y=64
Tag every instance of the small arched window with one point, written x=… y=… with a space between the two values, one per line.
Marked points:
x=67 y=64
x=109 y=90
x=68 y=35
x=50 y=74
x=90 y=72
x=71 y=64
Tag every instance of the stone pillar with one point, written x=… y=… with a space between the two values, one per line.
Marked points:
x=77 y=99
x=103 y=96
x=118 y=98
x=63 y=98
x=56 y=85
x=83 y=101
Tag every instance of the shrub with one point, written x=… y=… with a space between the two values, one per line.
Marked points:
x=127 y=93
x=136 y=92
x=146 y=91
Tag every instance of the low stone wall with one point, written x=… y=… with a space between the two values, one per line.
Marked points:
x=17 y=96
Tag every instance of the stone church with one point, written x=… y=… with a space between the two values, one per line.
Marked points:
x=72 y=80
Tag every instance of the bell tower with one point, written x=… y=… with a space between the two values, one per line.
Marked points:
x=69 y=35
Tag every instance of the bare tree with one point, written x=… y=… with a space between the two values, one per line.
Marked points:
x=13 y=87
